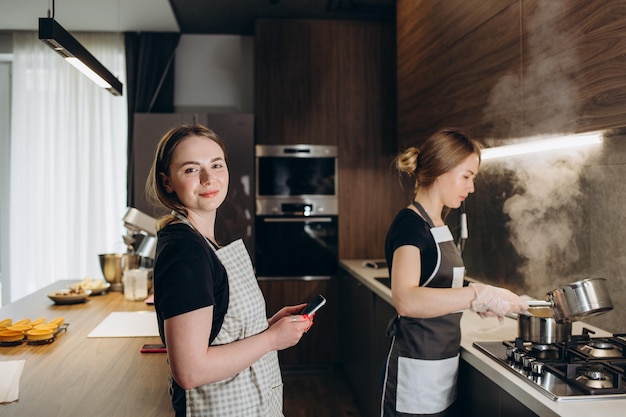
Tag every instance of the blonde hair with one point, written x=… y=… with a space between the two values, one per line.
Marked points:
x=439 y=154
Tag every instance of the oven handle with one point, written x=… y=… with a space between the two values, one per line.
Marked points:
x=297 y=278
x=297 y=220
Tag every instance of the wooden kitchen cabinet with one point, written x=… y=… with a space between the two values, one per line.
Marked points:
x=355 y=339
x=363 y=344
x=383 y=313
x=480 y=396
x=318 y=347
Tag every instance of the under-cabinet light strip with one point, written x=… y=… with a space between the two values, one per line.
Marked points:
x=559 y=142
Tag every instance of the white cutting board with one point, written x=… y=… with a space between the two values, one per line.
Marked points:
x=127 y=324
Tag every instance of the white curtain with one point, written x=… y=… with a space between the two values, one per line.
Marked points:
x=68 y=164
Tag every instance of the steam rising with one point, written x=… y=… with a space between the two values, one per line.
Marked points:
x=545 y=214
x=545 y=208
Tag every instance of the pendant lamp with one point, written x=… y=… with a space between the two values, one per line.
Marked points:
x=52 y=34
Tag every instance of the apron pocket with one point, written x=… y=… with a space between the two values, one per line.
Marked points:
x=426 y=386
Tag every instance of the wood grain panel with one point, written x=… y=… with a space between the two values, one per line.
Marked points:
x=347 y=100
x=459 y=81
x=475 y=65
x=573 y=65
x=364 y=126
x=428 y=30
x=282 y=87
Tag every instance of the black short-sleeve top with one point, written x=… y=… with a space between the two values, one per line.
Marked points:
x=409 y=228
x=187 y=276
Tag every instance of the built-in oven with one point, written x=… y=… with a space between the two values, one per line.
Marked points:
x=296 y=225
x=296 y=246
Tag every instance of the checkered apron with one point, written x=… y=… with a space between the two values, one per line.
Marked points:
x=258 y=390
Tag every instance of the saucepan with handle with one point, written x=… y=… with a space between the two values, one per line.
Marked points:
x=581 y=299
x=538 y=326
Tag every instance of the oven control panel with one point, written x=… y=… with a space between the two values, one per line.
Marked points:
x=299 y=206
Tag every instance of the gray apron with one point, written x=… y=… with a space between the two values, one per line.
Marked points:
x=256 y=391
x=422 y=365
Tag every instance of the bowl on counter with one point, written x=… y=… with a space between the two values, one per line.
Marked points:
x=100 y=289
x=96 y=286
x=69 y=296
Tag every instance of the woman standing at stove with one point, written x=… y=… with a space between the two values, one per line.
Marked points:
x=427 y=275
x=221 y=348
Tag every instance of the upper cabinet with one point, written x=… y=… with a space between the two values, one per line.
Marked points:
x=324 y=82
x=510 y=68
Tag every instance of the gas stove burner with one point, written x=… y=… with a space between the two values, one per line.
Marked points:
x=544 y=351
x=601 y=348
x=543 y=347
x=594 y=377
x=560 y=370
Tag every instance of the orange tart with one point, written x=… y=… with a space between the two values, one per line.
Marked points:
x=39 y=334
x=11 y=335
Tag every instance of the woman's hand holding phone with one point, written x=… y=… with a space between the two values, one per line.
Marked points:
x=307 y=311
x=285 y=312
x=312 y=306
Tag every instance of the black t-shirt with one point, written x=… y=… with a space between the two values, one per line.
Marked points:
x=188 y=276
x=408 y=228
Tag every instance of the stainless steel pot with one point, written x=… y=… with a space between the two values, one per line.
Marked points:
x=538 y=326
x=578 y=300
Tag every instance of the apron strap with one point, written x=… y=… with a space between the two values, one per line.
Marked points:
x=423 y=212
x=185 y=220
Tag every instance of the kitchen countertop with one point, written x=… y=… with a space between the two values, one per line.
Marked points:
x=80 y=376
x=476 y=329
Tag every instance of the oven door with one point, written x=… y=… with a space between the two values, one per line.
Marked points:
x=296 y=246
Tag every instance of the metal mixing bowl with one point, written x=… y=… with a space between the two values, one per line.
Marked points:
x=113 y=266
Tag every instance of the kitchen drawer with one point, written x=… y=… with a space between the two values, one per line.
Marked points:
x=363 y=342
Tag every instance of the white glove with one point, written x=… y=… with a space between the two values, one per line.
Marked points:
x=496 y=300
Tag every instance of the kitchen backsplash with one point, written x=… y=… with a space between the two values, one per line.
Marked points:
x=541 y=221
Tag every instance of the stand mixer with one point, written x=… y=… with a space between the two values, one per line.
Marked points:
x=140 y=227
x=140 y=241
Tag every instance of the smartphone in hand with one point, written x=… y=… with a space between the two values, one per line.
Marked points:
x=313 y=305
